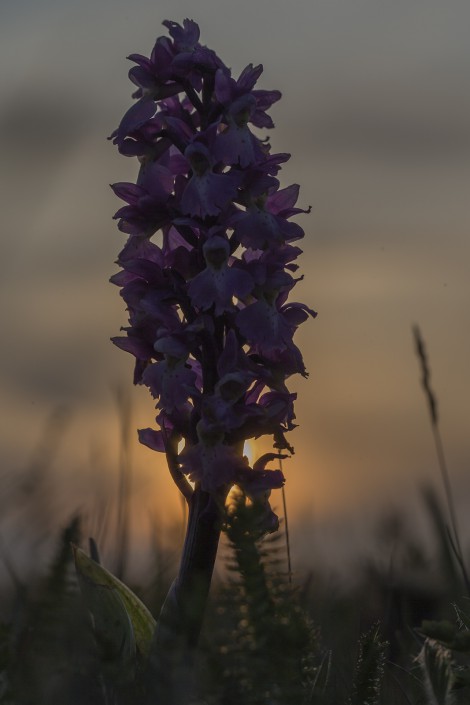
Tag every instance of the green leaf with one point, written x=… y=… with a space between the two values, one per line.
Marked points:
x=107 y=597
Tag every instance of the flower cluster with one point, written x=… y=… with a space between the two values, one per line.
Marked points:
x=209 y=263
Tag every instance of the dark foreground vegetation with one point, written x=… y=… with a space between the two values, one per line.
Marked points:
x=399 y=634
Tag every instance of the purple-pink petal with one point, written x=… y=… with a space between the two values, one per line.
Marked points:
x=284 y=198
x=256 y=482
x=248 y=77
x=152 y=439
x=135 y=117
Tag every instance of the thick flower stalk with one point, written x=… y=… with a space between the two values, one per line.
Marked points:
x=206 y=275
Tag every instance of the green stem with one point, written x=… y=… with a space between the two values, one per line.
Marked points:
x=170 y=672
x=197 y=561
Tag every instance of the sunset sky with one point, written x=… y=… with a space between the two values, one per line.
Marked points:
x=376 y=115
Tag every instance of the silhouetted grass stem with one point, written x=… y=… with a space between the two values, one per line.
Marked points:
x=432 y=405
x=286 y=524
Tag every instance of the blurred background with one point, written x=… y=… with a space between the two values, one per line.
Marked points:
x=376 y=115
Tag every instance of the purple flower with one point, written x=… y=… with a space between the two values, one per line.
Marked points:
x=227 y=91
x=227 y=409
x=218 y=283
x=209 y=265
x=269 y=327
x=147 y=210
x=206 y=192
x=236 y=144
x=263 y=324
x=136 y=117
x=171 y=382
x=264 y=224
x=257 y=485
x=211 y=462
x=172 y=61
